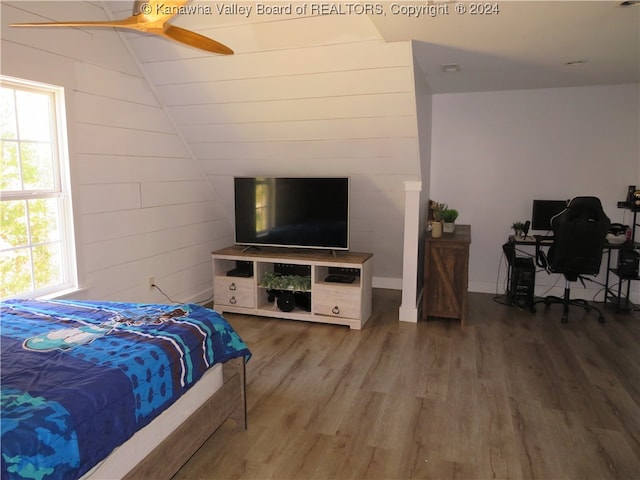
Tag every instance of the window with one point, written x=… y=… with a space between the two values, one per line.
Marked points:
x=36 y=231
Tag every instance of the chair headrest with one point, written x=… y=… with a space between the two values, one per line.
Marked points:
x=585 y=203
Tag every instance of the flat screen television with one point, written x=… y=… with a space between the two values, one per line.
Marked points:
x=292 y=212
x=544 y=211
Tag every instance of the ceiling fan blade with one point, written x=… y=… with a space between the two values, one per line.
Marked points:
x=129 y=22
x=194 y=39
x=150 y=17
x=147 y=15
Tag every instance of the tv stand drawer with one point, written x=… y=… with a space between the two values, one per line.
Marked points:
x=336 y=301
x=234 y=291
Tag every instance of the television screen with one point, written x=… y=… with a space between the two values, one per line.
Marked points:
x=544 y=211
x=292 y=212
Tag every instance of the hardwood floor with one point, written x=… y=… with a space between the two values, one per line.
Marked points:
x=512 y=395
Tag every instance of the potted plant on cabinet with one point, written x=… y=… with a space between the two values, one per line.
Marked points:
x=436 y=225
x=518 y=228
x=449 y=216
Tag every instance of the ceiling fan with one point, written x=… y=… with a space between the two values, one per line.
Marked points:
x=150 y=16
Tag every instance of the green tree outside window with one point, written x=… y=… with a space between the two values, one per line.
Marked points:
x=33 y=236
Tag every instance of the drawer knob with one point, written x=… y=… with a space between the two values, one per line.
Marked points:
x=233 y=300
x=233 y=287
x=335 y=310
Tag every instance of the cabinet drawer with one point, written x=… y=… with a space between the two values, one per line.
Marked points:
x=234 y=291
x=336 y=301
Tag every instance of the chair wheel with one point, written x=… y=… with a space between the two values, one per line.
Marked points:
x=564 y=320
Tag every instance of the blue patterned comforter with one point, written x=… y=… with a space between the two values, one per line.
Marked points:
x=80 y=378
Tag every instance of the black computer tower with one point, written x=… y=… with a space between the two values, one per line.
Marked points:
x=522 y=283
x=628 y=263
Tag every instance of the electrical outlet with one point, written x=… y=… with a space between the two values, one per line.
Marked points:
x=152 y=282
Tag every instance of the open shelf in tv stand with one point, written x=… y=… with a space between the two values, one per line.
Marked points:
x=335 y=303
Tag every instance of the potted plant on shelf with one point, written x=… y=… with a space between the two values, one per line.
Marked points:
x=518 y=228
x=436 y=225
x=449 y=216
x=282 y=288
x=294 y=283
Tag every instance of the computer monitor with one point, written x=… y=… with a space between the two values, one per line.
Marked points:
x=544 y=211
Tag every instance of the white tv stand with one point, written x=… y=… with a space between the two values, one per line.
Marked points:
x=330 y=302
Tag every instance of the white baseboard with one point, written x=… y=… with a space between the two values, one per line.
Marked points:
x=591 y=293
x=486 y=287
x=205 y=296
x=408 y=314
x=387 y=282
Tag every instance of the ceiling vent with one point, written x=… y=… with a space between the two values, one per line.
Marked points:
x=450 y=67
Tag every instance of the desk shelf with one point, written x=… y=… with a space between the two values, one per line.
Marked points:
x=623 y=277
x=621 y=302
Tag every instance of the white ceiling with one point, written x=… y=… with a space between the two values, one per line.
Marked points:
x=527 y=44
x=519 y=45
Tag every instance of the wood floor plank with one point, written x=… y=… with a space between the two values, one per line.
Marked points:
x=512 y=395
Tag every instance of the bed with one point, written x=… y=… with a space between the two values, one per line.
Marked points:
x=82 y=380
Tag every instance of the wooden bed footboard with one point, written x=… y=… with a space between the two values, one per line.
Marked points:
x=229 y=402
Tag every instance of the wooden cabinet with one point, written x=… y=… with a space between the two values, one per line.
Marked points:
x=446 y=274
x=326 y=301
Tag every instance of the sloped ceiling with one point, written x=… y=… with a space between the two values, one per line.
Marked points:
x=510 y=45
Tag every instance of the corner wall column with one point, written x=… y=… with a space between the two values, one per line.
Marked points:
x=409 y=308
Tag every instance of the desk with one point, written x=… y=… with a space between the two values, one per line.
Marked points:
x=530 y=240
x=547 y=242
x=621 y=302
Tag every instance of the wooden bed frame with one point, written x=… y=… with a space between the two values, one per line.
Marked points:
x=229 y=402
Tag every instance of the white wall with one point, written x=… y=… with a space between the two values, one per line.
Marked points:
x=142 y=206
x=494 y=152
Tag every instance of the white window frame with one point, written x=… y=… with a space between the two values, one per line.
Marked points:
x=61 y=190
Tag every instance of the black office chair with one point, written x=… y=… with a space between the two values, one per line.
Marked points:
x=579 y=237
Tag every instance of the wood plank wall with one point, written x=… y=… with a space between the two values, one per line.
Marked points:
x=320 y=95
x=142 y=204
x=301 y=96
